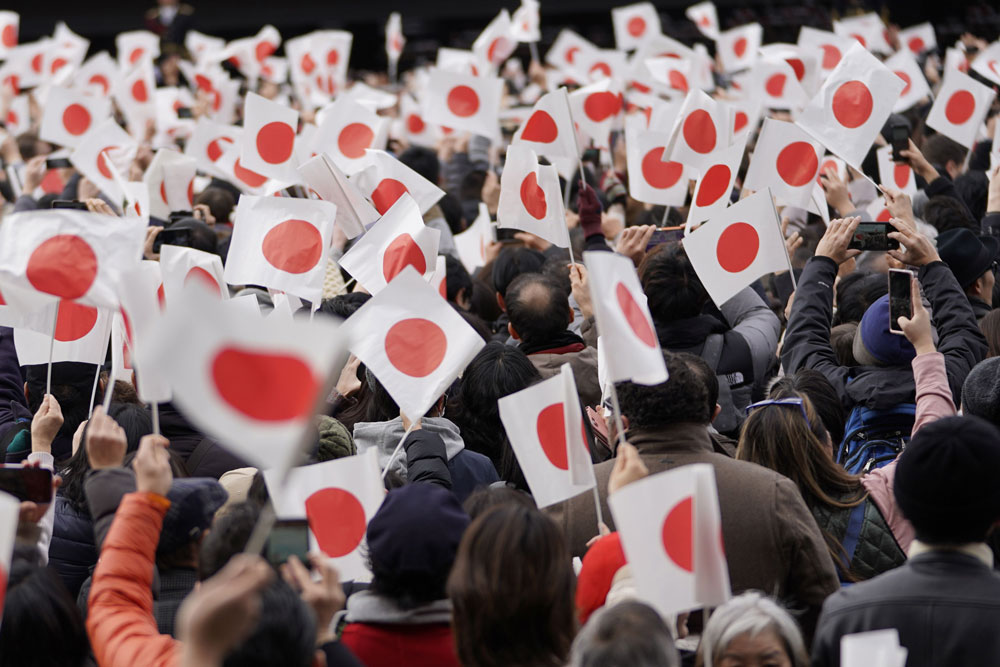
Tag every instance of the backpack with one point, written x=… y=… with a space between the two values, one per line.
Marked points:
x=873 y=438
x=732 y=400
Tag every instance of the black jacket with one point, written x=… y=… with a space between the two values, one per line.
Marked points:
x=426 y=459
x=807 y=339
x=72 y=552
x=945 y=605
x=185 y=439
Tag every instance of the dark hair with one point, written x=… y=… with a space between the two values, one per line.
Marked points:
x=483 y=301
x=344 y=305
x=857 y=291
x=512 y=262
x=556 y=266
x=707 y=375
x=71 y=389
x=422 y=160
x=944 y=213
x=457 y=279
x=681 y=399
x=285 y=632
x=219 y=201
x=476 y=322
x=842 y=341
x=629 y=633
x=451 y=209
x=673 y=289
x=228 y=537
x=822 y=395
x=990 y=326
x=538 y=308
x=27 y=145
x=512 y=591
x=939 y=150
x=200 y=236
x=486 y=498
x=973 y=188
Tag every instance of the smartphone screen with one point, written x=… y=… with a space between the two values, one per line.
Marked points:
x=900 y=140
x=288 y=537
x=58 y=163
x=873 y=236
x=664 y=235
x=34 y=484
x=900 y=303
x=70 y=204
x=178 y=237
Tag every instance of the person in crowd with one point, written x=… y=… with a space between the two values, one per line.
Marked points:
x=630 y=633
x=990 y=326
x=509 y=264
x=821 y=394
x=973 y=260
x=751 y=629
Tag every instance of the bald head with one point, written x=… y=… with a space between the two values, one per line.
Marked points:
x=538 y=308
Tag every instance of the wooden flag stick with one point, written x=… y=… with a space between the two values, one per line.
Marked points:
x=52 y=347
x=156 y=418
x=93 y=392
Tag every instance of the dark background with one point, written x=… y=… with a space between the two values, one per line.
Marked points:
x=456 y=23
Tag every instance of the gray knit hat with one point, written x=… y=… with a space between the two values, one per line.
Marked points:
x=981 y=391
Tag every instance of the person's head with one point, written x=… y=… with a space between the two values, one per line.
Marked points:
x=193 y=502
x=344 y=305
x=875 y=345
x=990 y=326
x=200 y=236
x=751 y=629
x=458 y=282
x=821 y=394
x=72 y=384
x=972 y=258
x=486 y=498
x=228 y=537
x=422 y=160
x=842 y=342
x=451 y=208
x=856 y=292
x=285 y=632
x=511 y=590
x=509 y=264
x=538 y=309
x=945 y=154
x=973 y=189
x=943 y=213
x=412 y=541
x=681 y=399
x=219 y=201
x=673 y=289
x=945 y=481
x=981 y=391
x=629 y=633
x=708 y=376
x=483 y=301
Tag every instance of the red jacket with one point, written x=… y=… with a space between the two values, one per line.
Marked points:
x=378 y=645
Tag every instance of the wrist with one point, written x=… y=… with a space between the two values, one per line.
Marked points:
x=924 y=347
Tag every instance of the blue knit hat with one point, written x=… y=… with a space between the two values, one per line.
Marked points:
x=874 y=345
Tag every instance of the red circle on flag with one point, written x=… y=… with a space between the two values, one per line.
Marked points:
x=678 y=534
x=36 y=63
x=337 y=519
x=775 y=85
x=960 y=107
x=415 y=346
x=533 y=197
x=64 y=265
x=678 y=81
x=737 y=247
x=332 y=57
x=139 y=92
x=264 y=386
x=401 y=253
x=103 y=162
x=135 y=55
x=214 y=150
x=660 y=174
x=354 y=139
x=602 y=68
x=551 y=430
x=634 y=316
x=74 y=321
x=415 y=124
x=831 y=56
x=797 y=163
x=275 y=142
x=901 y=174
x=740 y=47
x=200 y=275
x=860 y=39
x=714 y=185
x=497 y=47
x=12 y=118
x=636 y=26
x=294 y=246
x=76 y=119
x=163 y=192
x=600 y=106
x=852 y=104
x=883 y=215
x=571 y=54
x=699 y=131
x=190 y=191
x=387 y=193
x=906 y=79
x=102 y=81
x=9 y=36
x=541 y=128
x=463 y=101
x=740 y=121
x=263 y=50
x=916 y=45
x=797 y=66
x=307 y=64
x=57 y=65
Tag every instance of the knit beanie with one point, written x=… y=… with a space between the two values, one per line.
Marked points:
x=981 y=391
x=335 y=441
x=874 y=345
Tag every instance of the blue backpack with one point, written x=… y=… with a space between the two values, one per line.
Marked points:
x=873 y=438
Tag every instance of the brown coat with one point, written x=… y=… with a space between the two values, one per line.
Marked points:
x=584 y=365
x=772 y=541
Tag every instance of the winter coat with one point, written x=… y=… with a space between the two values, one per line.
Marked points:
x=185 y=439
x=72 y=552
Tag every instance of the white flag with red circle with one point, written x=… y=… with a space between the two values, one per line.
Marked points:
x=867 y=29
x=134 y=92
x=202 y=46
x=525 y=22
x=398 y=240
x=623 y=320
x=737 y=47
x=495 y=43
x=671 y=531
x=267 y=145
x=737 y=247
x=247 y=180
x=10 y=509
x=386 y=179
x=785 y=159
x=439 y=279
x=346 y=131
x=70 y=114
x=595 y=110
x=705 y=17
x=701 y=129
x=463 y=102
x=413 y=341
x=895 y=175
x=672 y=74
x=471 y=243
x=413 y=127
x=545 y=428
x=714 y=189
x=918 y=38
x=142 y=300
x=136 y=45
x=915 y=88
x=81 y=334
x=207 y=142
x=776 y=84
x=836 y=165
x=104 y=150
x=853 y=104
x=121 y=350
x=634 y=24
x=827 y=47
x=10 y=24
x=987 y=63
x=281 y=243
x=181 y=266
x=549 y=129
x=394 y=40
x=333 y=52
x=338 y=498
x=960 y=107
x=170 y=182
x=652 y=179
x=530 y=198
x=745 y=115
x=18 y=120
x=460 y=61
x=603 y=64
x=566 y=49
x=354 y=212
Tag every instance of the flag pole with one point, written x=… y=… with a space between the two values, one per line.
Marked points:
x=597 y=506
x=791 y=269
x=93 y=392
x=156 y=417
x=52 y=347
x=533 y=47
x=109 y=389
x=617 y=412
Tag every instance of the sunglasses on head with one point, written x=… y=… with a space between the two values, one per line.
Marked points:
x=786 y=402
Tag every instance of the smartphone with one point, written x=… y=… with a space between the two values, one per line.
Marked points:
x=185 y=112
x=178 y=237
x=34 y=484
x=900 y=302
x=179 y=215
x=899 y=137
x=57 y=163
x=873 y=236
x=288 y=537
x=665 y=235
x=70 y=204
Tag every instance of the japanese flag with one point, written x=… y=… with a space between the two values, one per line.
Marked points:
x=915 y=89
x=439 y=279
x=987 y=63
x=878 y=210
x=250 y=383
x=566 y=49
x=835 y=164
x=745 y=115
x=69 y=114
x=737 y=247
x=777 y=85
x=354 y=212
x=10 y=508
x=672 y=75
x=471 y=244
x=852 y=106
x=386 y=179
x=623 y=320
x=737 y=48
x=525 y=23
x=634 y=24
x=545 y=427
x=10 y=23
x=96 y=75
x=398 y=240
x=81 y=334
x=170 y=181
x=867 y=29
x=464 y=102
x=133 y=91
x=460 y=61
x=333 y=50
x=394 y=40
x=281 y=243
x=495 y=43
x=104 y=150
x=264 y=44
x=181 y=266
x=704 y=16
x=69 y=254
x=207 y=142
x=671 y=531
x=603 y=64
x=338 y=498
x=267 y=145
x=549 y=129
x=413 y=341
x=960 y=108
x=530 y=199
x=918 y=38
x=895 y=175
x=827 y=47
x=414 y=128
x=651 y=179
x=785 y=159
x=235 y=172
x=135 y=46
x=141 y=294
x=714 y=188
x=18 y=119
x=121 y=350
x=701 y=129
x=202 y=46
x=595 y=109
x=346 y=131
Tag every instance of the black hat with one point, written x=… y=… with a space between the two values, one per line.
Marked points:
x=63 y=373
x=193 y=502
x=967 y=254
x=946 y=480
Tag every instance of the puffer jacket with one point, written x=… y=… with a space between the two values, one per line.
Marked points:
x=876 y=548
x=72 y=552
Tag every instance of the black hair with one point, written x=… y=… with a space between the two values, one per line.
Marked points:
x=457 y=279
x=285 y=632
x=228 y=537
x=200 y=236
x=673 y=289
x=451 y=209
x=406 y=590
x=512 y=262
x=487 y=497
x=944 y=213
x=478 y=325
x=557 y=267
x=538 y=308
x=424 y=161
x=681 y=399
x=821 y=393
x=939 y=150
x=973 y=188
x=219 y=201
x=344 y=305
x=483 y=301
x=707 y=375
x=856 y=292
x=72 y=384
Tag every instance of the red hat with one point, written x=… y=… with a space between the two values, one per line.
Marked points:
x=600 y=564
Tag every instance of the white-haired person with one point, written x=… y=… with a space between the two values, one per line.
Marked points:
x=752 y=630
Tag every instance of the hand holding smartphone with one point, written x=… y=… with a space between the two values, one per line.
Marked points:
x=27 y=484
x=900 y=298
x=289 y=537
x=873 y=236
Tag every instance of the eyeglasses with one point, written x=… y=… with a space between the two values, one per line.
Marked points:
x=787 y=402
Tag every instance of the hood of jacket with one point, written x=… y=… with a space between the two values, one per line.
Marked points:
x=881 y=388
x=368 y=607
x=385 y=437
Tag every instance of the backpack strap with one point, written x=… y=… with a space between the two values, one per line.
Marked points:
x=853 y=534
x=712 y=351
x=198 y=455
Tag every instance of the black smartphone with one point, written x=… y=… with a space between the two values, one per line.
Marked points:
x=34 y=484
x=899 y=137
x=179 y=237
x=179 y=215
x=71 y=204
x=185 y=112
x=58 y=163
x=664 y=235
x=873 y=236
x=900 y=301
x=288 y=537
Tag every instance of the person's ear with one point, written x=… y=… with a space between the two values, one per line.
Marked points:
x=625 y=423
x=572 y=316
x=977 y=287
x=462 y=299
x=512 y=331
x=500 y=302
x=715 y=412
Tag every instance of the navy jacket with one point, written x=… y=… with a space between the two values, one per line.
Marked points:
x=72 y=552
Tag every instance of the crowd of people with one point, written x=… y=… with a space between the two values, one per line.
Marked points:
x=855 y=457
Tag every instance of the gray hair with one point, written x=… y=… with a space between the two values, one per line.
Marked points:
x=628 y=633
x=751 y=613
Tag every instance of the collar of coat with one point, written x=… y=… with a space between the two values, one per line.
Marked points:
x=682 y=437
